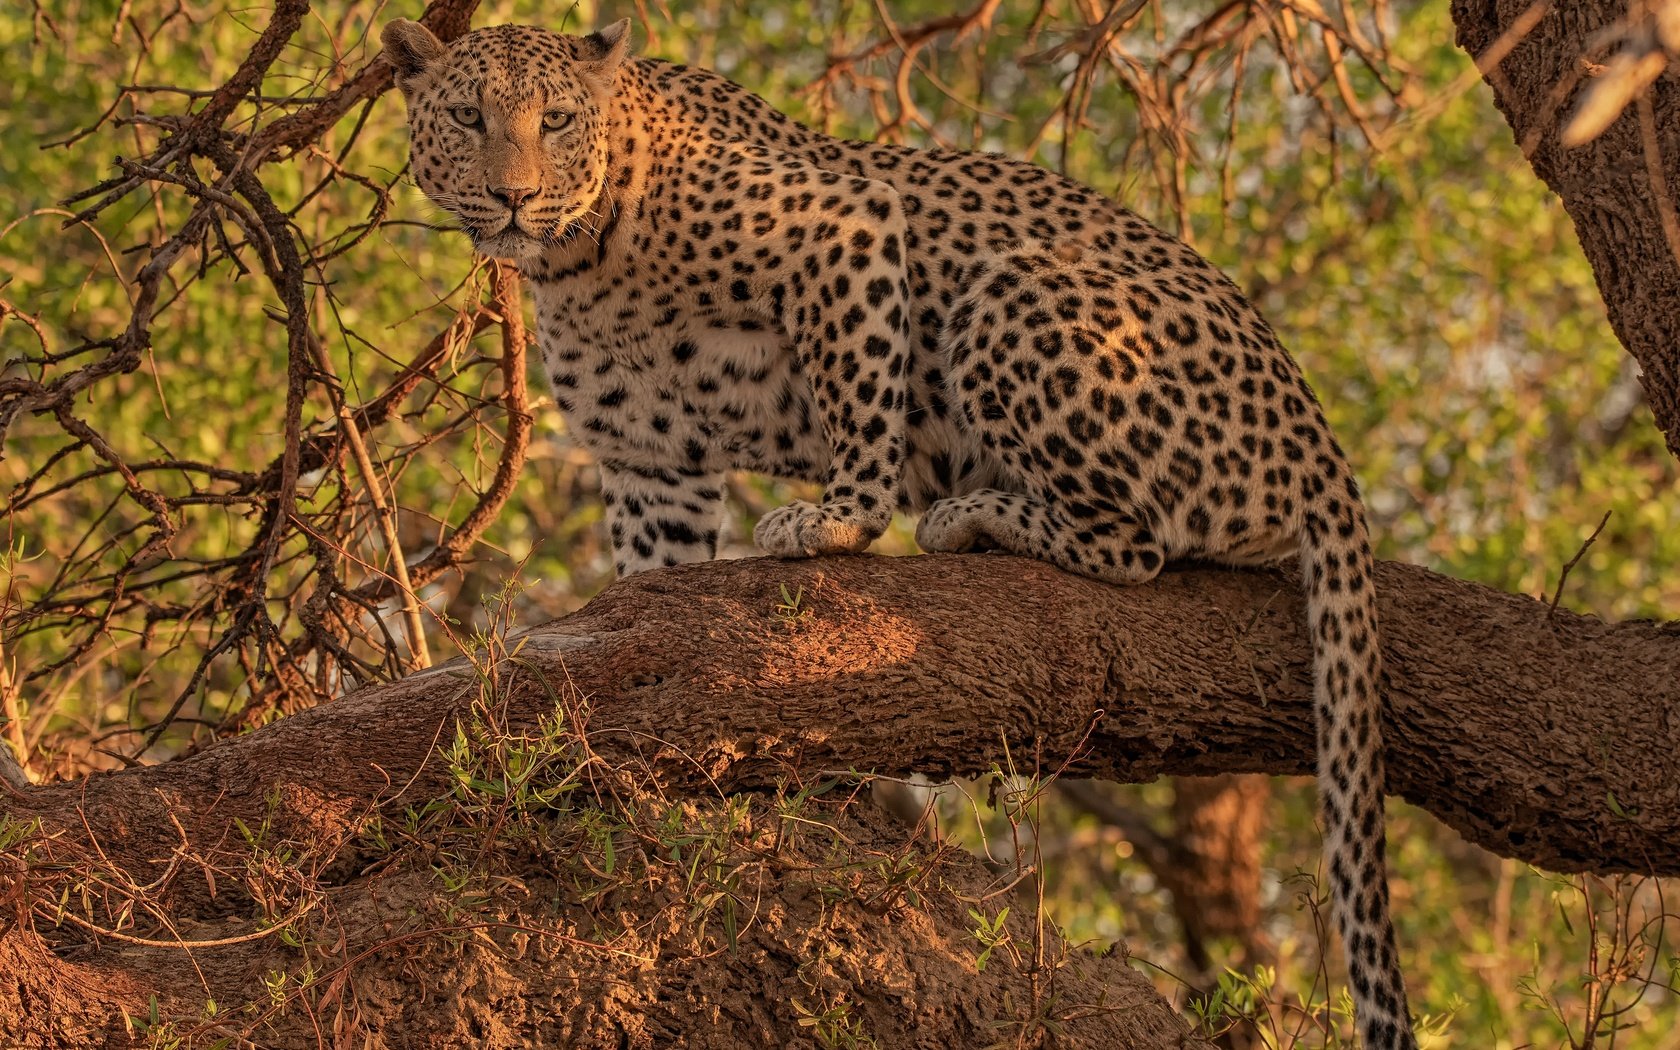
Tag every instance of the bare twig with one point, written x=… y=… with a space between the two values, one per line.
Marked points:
x=1563 y=577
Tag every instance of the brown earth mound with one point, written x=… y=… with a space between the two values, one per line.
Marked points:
x=511 y=913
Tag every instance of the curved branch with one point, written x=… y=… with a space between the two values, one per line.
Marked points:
x=1504 y=718
x=447 y=19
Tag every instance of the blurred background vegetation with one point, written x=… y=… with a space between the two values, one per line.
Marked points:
x=1347 y=168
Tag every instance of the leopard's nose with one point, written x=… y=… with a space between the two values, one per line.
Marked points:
x=513 y=196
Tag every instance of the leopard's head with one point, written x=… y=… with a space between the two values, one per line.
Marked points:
x=507 y=127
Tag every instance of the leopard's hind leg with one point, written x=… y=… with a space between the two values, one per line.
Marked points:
x=1046 y=367
x=1111 y=547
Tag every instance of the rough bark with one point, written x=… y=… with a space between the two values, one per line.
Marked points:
x=1544 y=736
x=1612 y=187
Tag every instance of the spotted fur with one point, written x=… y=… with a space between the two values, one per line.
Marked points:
x=1035 y=368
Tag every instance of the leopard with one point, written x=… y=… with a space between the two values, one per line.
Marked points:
x=1030 y=366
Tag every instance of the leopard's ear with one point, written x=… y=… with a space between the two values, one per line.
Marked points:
x=607 y=48
x=411 y=49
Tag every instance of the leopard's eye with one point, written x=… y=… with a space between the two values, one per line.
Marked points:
x=467 y=116
x=554 y=120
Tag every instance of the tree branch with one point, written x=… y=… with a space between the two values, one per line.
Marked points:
x=1549 y=739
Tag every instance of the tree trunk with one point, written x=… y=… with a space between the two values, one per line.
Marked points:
x=1615 y=187
x=1217 y=823
x=1209 y=862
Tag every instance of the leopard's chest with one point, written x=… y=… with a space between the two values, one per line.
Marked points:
x=644 y=378
x=645 y=382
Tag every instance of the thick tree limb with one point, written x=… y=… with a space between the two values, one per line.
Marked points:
x=1615 y=187
x=1547 y=737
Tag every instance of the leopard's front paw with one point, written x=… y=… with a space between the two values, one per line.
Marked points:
x=806 y=530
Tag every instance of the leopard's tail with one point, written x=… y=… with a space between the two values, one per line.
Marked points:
x=1347 y=672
